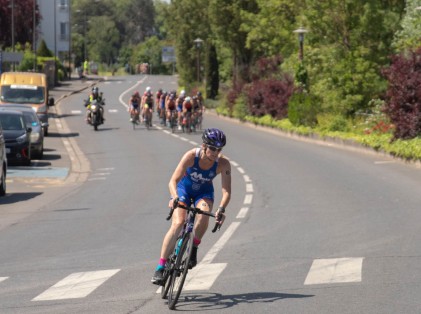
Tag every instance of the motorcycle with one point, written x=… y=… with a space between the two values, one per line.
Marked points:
x=94 y=115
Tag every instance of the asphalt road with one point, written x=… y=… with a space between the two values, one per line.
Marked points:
x=310 y=229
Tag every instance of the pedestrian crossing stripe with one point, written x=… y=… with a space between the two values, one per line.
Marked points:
x=335 y=270
x=76 y=285
x=203 y=276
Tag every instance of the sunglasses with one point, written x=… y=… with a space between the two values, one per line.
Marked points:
x=214 y=149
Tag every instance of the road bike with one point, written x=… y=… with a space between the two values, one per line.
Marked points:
x=134 y=118
x=147 y=116
x=173 y=120
x=178 y=264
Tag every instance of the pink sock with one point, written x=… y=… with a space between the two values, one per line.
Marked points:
x=196 y=241
x=162 y=261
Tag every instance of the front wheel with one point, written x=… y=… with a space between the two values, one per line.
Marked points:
x=180 y=270
x=169 y=266
x=3 y=182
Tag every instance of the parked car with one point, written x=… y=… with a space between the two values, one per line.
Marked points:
x=17 y=137
x=32 y=121
x=3 y=163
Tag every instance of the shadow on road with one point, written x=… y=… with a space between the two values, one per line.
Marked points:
x=48 y=157
x=52 y=134
x=18 y=197
x=219 y=301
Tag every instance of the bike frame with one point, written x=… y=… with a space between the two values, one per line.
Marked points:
x=178 y=263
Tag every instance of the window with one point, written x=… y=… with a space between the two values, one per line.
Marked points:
x=63 y=5
x=64 y=31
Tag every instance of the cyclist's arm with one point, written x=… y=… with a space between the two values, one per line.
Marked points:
x=225 y=182
x=186 y=161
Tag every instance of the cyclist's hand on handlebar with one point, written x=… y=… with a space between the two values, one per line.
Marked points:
x=173 y=203
x=220 y=216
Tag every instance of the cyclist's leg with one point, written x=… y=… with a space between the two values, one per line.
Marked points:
x=205 y=203
x=177 y=222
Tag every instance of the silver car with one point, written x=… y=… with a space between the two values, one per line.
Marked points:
x=32 y=121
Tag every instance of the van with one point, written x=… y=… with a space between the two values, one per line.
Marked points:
x=29 y=89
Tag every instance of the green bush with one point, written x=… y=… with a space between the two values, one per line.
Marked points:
x=303 y=109
x=240 y=108
x=333 y=123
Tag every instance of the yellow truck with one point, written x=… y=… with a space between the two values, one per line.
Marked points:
x=29 y=89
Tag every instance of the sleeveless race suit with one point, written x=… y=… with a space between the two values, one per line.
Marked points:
x=196 y=182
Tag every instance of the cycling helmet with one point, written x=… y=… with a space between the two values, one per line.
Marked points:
x=214 y=137
x=182 y=93
x=95 y=89
x=188 y=99
x=199 y=93
x=148 y=89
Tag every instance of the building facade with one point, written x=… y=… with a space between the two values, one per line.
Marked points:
x=54 y=27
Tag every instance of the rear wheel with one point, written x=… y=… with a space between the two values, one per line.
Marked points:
x=179 y=273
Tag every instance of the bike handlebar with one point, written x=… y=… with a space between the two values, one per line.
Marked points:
x=197 y=211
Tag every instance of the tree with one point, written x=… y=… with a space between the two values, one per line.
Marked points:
x=226 y=21
x=43 y=50
x=135 y=20
x=269 y=28
x=183 y=28
x=348 y=43
x=409 y=34
x=23 y=21
x=212 y=73
x=149 y=52
x=103 y=38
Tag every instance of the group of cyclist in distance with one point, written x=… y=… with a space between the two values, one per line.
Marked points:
x=182 y=111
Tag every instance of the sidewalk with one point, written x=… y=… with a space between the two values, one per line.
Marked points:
x=67 y=88
x=71 y=156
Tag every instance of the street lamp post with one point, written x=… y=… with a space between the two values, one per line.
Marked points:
x=198 y=42
x=34 y=38
x=84 y=34
x=301 y=31
x=13 y=29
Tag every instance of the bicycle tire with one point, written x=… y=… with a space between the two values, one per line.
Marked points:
x=147 y=123
x=169 y=265
x=179 y=274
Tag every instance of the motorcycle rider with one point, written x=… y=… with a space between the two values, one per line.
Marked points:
x=97 y=96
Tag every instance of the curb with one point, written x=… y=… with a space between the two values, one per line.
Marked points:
x=330 y=142
x=79 y=164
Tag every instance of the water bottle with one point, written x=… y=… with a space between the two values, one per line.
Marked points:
x=179 y=242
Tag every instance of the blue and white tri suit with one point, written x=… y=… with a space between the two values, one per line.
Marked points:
x=197 y=183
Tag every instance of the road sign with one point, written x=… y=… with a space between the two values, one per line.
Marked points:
x=168 y=54
x=12 y=56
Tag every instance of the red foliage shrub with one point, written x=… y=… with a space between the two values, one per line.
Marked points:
x=403 y=103
x=268 y=90
x=266 y=67
x=269 y=96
